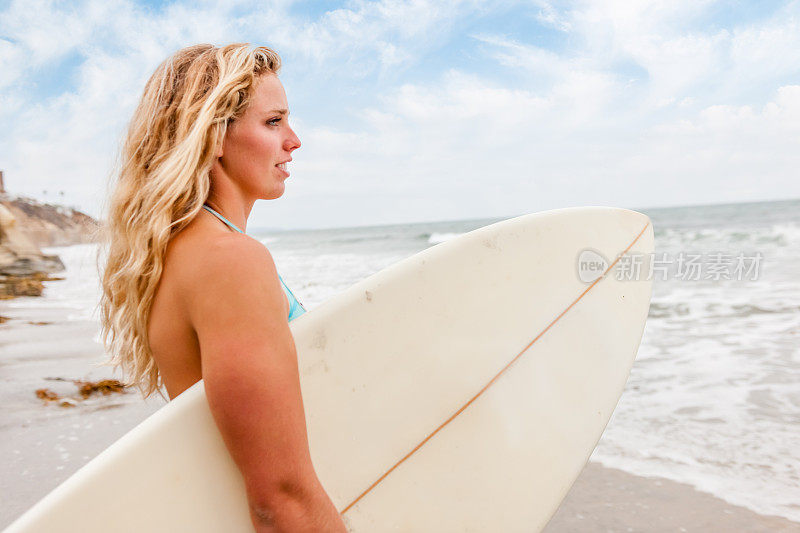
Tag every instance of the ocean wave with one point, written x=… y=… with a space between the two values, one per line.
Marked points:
x=788 y=233
x=357 y=239
x=778 y=234
x=717 y=309
x=436 y=238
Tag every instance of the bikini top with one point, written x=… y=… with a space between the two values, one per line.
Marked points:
x=295 y=307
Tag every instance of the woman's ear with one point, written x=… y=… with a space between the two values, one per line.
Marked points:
x=219 y=137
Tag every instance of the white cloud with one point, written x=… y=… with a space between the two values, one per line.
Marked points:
x=68 y=141
x=685 y=59
x=368 y=35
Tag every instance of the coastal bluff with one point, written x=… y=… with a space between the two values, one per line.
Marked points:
x=25 y=226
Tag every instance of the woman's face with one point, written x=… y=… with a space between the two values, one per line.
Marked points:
x=260 y=140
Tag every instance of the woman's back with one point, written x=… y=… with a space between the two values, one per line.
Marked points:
x=173 y=339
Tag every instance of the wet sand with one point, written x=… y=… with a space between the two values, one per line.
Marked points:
x=606 y=499
x=43 y=444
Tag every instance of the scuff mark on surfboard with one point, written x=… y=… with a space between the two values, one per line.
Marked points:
x=491 y=243
x=320 y=340
x=319 y=365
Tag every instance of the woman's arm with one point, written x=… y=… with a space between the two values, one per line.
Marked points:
x=250 y=371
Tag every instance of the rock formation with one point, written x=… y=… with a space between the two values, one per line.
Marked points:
x=25 y=225
x=50 y=225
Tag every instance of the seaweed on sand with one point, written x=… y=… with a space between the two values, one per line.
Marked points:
x=85 y=390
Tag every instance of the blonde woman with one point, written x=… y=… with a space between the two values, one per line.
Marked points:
x=188 y=295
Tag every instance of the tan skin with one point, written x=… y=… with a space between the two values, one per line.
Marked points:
x=220 y=314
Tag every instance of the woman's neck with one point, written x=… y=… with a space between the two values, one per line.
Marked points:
x=235 y=210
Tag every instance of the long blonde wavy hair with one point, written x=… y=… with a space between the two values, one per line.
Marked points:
x=161 y=182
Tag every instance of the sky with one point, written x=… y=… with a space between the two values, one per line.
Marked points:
x=433 y=110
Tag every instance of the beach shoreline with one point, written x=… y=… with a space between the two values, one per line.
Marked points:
x=607 y=499
x=44 y=443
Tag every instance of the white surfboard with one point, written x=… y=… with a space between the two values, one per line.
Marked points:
x=462 y=389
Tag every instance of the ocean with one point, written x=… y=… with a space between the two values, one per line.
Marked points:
x=713 y=398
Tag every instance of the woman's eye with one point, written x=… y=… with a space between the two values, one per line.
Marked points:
x=274 y=120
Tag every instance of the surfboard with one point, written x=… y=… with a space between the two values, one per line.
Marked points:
x=461 y=389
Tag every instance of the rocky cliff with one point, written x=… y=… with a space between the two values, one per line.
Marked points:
x=25 y=225
x=48 y=224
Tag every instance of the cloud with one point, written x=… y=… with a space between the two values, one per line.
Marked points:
x=120 y=43
x=687 y=54
x=738 y=151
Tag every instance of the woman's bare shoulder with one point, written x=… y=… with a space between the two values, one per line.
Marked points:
x=197 y=258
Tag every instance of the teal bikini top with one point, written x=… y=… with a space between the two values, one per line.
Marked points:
x=296 y=308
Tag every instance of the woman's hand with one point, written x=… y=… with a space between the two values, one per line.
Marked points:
x=249 y=366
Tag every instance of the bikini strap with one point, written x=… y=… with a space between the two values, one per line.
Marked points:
x=222 y=218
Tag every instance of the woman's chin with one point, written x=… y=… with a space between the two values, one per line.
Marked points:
x=276 y=192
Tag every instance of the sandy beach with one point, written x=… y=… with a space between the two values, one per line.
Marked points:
x=44 y=443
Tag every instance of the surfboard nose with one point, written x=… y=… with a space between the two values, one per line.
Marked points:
x=641 y=218
x=635 y=218
x=638 y=223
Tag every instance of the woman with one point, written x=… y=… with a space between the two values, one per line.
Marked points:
x=187 y=295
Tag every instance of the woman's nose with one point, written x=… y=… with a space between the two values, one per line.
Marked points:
x=292 y=142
